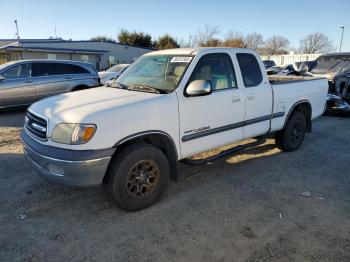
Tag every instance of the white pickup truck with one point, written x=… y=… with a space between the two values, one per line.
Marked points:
x=167 y=106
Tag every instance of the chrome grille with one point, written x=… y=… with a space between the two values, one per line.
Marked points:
x=35 y=125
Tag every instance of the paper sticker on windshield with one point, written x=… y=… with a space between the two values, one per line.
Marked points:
x=181 y=59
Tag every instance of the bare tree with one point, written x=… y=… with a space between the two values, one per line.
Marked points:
x=254 y=40
x=276 y=45
x=316 y=43
x=206 y=37
x=234 y=39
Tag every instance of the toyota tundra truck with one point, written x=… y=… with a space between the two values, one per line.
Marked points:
x=166 y=107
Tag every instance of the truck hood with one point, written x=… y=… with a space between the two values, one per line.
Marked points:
x=80 y=106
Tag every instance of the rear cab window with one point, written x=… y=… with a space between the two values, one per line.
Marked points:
x=250 y=69
x=216 y=68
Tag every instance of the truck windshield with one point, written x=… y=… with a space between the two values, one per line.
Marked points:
x=160 y=73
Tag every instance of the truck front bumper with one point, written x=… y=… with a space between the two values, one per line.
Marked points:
x=64 y=166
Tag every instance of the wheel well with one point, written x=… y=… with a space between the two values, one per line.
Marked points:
x=304 y=108
x=80 y=87
x=159 y=140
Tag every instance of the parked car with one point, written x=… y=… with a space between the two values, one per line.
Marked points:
x=112 y=73
x=269 y=63
x=280 y=70
x=295 y=69
x=336 y=67
x=168 y=106
x=26 y=81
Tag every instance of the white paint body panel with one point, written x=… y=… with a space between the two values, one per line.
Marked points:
x=121 y=113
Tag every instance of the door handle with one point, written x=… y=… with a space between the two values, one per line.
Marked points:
x=68 y=77
x=29 y=81
x=236 y=99
x=250 y=96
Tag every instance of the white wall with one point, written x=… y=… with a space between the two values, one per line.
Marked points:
x=120 y=53
x=282 y=60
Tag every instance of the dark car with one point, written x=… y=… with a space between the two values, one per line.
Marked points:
x=336 y=67
x=269 y=63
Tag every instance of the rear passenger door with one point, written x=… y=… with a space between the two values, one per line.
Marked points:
x=257 y=95
x=18 y=87
x=50 y=79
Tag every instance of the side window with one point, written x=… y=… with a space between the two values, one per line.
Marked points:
x=250 y=69
x=75 y=69
x=19 y=71
x=41 y=69
x=218 y=69
x=47 y=69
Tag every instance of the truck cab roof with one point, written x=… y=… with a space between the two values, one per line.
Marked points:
x=197 y=50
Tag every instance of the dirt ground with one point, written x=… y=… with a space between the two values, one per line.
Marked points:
x=253 y=206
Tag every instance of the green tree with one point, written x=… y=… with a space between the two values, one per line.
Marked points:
x=166 y=42
x=102 y=38
x=134 y=38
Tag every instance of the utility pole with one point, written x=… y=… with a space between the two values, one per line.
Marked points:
x=341 y=40
x=189 y=40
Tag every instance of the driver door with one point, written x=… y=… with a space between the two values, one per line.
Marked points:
x=213 y=120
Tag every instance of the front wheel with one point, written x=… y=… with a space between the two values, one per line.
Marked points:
x=292 y=136
x=138 y=176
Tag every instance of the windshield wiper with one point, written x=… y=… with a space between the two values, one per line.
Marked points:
x=146 y=88
x=118 y=85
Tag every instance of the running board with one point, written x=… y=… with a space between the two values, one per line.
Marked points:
x=224 y=153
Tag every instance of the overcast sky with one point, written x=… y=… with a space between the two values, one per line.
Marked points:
x=82 y=19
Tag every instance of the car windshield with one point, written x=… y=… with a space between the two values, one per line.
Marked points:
x=161 y=73
x=117 y=68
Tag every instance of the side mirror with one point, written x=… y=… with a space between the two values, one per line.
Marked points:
x=199 y=88
x=2 y=78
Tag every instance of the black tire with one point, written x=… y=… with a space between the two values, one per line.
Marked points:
x=138 y=176
x=292 y=136
x=79 y=88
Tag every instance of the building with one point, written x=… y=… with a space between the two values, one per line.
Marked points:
x=283 y=60
x=99 y=53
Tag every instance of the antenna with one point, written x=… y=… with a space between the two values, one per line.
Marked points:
x=341 y=40
x=55 y=33
x=17 y=34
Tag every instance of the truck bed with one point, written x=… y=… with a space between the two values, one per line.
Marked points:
x=289 y=90
x=276 y=80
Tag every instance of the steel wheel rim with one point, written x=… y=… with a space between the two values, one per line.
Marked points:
x=142 y=179
x=296 y=133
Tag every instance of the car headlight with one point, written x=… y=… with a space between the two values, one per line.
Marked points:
x=73 y=134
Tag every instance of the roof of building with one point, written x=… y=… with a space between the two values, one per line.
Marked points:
x=71 y=41
x=52 y=49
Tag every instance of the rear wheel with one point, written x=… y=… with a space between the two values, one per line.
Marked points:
x=138 y=176
x=292 y=136
x=79 y=88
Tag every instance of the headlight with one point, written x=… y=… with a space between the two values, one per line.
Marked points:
x=73 y=134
